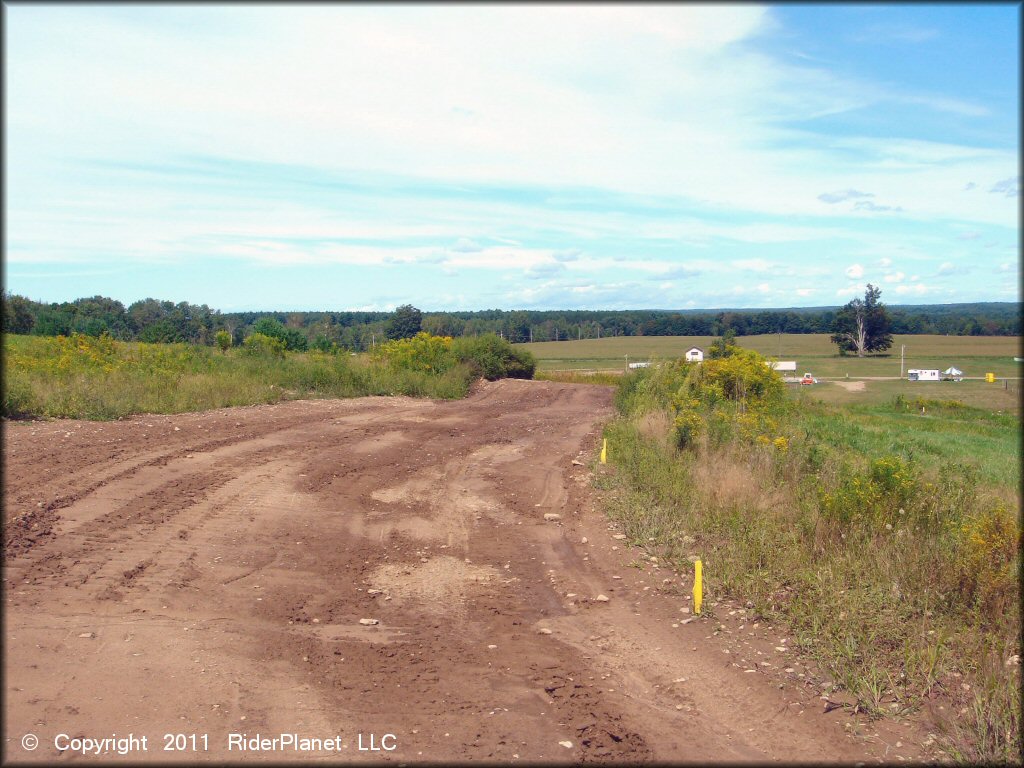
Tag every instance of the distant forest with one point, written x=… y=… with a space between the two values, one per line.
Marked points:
x=165 y=321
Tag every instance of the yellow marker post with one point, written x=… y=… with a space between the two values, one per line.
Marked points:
x=990 y=378
x=604 y=452
x=698 y=585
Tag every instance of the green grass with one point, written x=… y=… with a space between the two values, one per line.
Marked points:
x=605 y=378
x=104 y=379
x=975 y=355
x=883 y=537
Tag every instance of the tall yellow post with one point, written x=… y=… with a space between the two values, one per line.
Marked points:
x=990 y=378
x=698 y=585
x=604 y=451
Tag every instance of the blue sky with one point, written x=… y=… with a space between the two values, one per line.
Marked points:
x=333 y=157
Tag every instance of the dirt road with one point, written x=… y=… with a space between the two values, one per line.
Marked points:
x=378 y=570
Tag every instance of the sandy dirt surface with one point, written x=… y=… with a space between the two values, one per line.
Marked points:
x=377 y=574
x=851 y=386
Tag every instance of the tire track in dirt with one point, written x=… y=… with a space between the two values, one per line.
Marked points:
x=218 y=580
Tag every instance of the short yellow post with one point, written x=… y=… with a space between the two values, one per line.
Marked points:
x=698 y=585
x=604 y=451
x=990 y=378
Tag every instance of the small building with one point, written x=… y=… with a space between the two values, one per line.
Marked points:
x=781 y=365
x=694 y=355
x=922 y=374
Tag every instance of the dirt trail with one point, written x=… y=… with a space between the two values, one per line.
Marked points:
x=207 y=574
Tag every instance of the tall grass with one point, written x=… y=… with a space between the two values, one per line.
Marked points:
x=84 y=377
x=889 y=541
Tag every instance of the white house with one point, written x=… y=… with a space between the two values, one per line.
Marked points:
x=781 y=365
x=695 y=355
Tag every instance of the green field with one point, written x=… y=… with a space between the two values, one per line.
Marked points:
x=814 y=353
x=974 y=355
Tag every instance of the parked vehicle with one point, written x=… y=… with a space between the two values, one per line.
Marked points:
x=808 y=379
x=922 y=374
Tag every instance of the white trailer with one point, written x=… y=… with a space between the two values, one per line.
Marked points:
x=923 y=374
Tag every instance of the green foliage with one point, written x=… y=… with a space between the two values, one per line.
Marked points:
x=421 y=352
x=487 y=356
x=741 y=376
x=323 y=344
x=405 y=323
x=260 y=345
x=292 y=339
x=223 y=339
x=885 y=540
x=494 y=358
x=863 y=325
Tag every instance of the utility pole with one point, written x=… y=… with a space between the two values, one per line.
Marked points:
x=531 y=334
x=902 y=348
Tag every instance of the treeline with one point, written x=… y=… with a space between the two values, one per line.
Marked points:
x=152 y=320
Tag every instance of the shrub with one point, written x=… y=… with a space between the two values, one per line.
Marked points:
x=261 y=345
x=494 y=358
x=422 y=352
x=989 y=545
x=291 y=338
x=223 y=339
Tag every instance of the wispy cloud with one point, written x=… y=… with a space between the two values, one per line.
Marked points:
x=843 y=195
x=1008 y=187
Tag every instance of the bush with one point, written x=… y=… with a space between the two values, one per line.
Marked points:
x=423 y=352
x=989 y=545
x=223 y=339
x=261 y=345
x=292 y=339
x=494 y=358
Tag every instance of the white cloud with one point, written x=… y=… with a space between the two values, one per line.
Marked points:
x=854 y=271
x=885 y=261
x=894 y=277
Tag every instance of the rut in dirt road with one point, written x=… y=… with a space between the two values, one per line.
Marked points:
x=361 y=567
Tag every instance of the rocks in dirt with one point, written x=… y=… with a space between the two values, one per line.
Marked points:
x=88 y=634
x=552 y=516
x=369 y=622
x=602 y=599
x=583 y=540
x=577 y=463
x=619 y=536
x=1013 y=661
x=566 y=744
x=687 y=621
x=544 y=631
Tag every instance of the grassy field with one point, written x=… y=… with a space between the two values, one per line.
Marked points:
x=974 y=355
x=885 y=537
x=100 y=378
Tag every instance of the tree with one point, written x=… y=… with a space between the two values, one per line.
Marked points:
x=722 y=347
x=405 y=323
x=863 y=325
